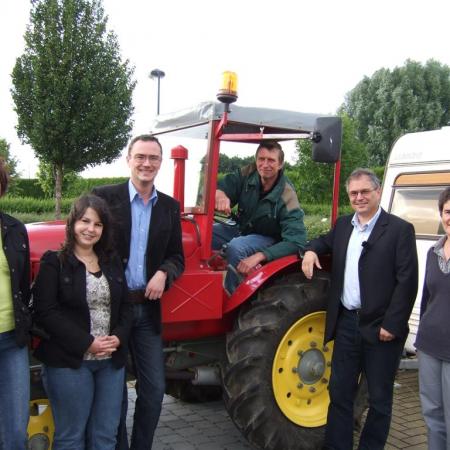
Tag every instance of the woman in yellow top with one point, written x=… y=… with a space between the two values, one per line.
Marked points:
x=15 y=324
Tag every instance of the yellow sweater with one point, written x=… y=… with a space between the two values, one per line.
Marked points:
x=6 y=304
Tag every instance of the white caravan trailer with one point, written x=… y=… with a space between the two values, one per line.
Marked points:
x=418 y=169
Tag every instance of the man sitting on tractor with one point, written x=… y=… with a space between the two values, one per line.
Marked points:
x=269 y=218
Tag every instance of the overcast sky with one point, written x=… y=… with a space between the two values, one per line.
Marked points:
x=288 y=54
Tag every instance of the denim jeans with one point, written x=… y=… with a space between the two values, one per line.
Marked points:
x=14 y=393
x=434 y=387
x=146 y=348
x=237 y=248
x=86 y=404
x=379 y=362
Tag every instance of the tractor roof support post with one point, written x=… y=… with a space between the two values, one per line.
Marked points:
x=335 y=205
x=213 y=159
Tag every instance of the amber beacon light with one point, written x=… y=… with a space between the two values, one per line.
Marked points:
x=228 y=89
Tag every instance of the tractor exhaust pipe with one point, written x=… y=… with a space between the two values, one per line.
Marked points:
x=207 y=376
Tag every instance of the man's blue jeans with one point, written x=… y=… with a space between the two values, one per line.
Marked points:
x=86 y=404
x=147 y=351
x=14 y=393
x=237 y=248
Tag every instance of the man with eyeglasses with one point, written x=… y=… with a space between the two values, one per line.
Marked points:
x=148 y=239
x=373 y=288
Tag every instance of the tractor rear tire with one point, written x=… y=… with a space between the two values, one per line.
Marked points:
x=276 y=376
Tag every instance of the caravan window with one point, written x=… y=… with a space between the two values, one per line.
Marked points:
x=415 y=199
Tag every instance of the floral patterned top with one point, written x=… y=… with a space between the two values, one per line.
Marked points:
x=99 y=301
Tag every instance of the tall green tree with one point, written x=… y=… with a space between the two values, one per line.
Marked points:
x=72 y=91
x=10 y=164
x=314 y=181
x=229 y=164
x=9 y=160
x=414 y=97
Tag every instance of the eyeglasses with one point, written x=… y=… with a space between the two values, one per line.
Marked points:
x=362 y=192
x=150 y=158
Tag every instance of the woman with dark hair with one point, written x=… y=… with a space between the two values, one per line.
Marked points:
x=80 y=300
x=433 y=336
x=15 y=322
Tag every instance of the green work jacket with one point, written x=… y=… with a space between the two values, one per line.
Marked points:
x=277 y=214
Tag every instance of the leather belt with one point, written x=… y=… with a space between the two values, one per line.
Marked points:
x=137 y=296
x=352 y=311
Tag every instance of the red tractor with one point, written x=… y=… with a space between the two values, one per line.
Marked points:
x=263 y=344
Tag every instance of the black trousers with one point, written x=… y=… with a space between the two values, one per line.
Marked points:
x=351 y=356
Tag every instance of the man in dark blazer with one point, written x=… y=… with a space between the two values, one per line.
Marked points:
x=148 y=239
x=373 y=288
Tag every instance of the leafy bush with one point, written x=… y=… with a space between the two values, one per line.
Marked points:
x=33 y=217
x=30 y=187
x=323 y=209
x=84 y=185
x=316 y=225
x=379 y=172
x=30 y=205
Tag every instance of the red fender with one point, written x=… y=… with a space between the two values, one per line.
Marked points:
x=258 y=277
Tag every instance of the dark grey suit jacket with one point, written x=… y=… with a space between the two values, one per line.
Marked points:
x=388 y=275
x=164 y=246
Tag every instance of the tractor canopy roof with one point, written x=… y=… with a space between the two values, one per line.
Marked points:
x=194 y=122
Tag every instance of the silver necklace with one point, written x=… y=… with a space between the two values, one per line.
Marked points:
x=87 y=261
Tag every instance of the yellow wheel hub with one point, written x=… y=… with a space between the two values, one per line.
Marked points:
x=301 y=372
x=40 y=425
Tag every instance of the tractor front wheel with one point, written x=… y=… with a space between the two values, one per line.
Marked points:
x=276 y=378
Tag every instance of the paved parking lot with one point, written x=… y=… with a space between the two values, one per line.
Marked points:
x=193 y=426
x=407 y=428
x=206 y=426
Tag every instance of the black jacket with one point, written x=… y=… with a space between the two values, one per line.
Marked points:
x=17 y=251
x=433 y=335
x=387 y=275
x=164 y=247
x=61 y=310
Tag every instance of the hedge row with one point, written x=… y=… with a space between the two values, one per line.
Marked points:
x=27 y=187
x=84 y=185
x=31 y=205
x=30 y=187
x=323 y=209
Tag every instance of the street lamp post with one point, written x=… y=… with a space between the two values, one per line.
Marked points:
x=157 y=73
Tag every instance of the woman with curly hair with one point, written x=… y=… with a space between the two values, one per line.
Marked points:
x=81 y=302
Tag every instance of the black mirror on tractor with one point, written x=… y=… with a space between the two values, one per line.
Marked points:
x=327 y=137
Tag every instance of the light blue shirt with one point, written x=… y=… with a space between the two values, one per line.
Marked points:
x=141 y=214
x=351 y=297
